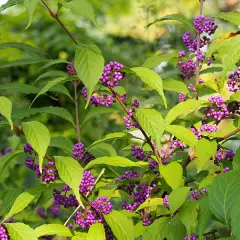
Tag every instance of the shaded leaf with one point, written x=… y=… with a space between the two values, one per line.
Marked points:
x=120 y=225
x=10 y=3
x=233 y=17
x=152 y=123
x=30 y=6
x=53 y=229
x=6 y=109
x=39 y=137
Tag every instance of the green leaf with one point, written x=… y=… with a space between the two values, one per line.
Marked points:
x=157 y=60
x=21 y=202
x=112 y=136
x=22 y=62
x=176 y=230
x=120 y=225
x=116 y=161
x=175 y=86
x=50 y=63
x=152 y=123
x=51 y=74
x=70 y=172
x=183 y=108
x=235 y=212
x=152 y=79
x=53 y=229
x=62 y=143
x=96 y=232
x=6 y=159
x=39 y=137
x=30 y=6
x=139 y=230
x=204 y=216
x=233 y=17
x=177 y=198
x=89 y=64
x=27 y=112
x=177 y=17
x=21 y=46
x=20 y=231
x=15 y=87
x=236 y=160
x=188 y=214
x=96 y=112
x=172 y=174
x=103 y=150
x=225 y=190
x=158 y=230
x=6 y=109
x=231 y=55
x=150 y=202
x=49 y=85
x=82 y=8
x=235 y=97
x=183 y=134
x=83 y=236
x=210 y=149
x=8 y=199
x=10 y=3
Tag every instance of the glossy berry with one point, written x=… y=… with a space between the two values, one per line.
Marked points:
x=165 y=201
x=234 y=81
x=187 y=69
x=181 y=97
x=111 y=76
x=205 y=25
x=4 y=233
x=139 y=153
x=127 y=175
x=28 y=148
x=87 y=183
x=182 y=54
x=102 y=205
x=85 y=218
x=41 y=212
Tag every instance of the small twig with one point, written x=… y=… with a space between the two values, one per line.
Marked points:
x=231 y=133
x=75 y=84
x=140 y=128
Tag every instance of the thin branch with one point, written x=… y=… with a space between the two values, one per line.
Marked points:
x=75 y=84
x=231 y=133
x=55 y=16
x=140 y=128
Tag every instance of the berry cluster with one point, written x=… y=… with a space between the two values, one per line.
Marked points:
x=146 y=220
x=139 y=153
x=234 y=81
x=222 y=155
x=87 y=183
x=111 y=76
x=4 y=235
x=85 y=218
x=165 y=201
x=181 y=97
x=127 y=175
x=187 y=68
x=192 y=88
x=49 y=171
x=128 y=120
x=205 y=25
x=102 y=205
x=70 y=69
x=196 y=194
x=190 y=238
x=196 y=132
x=219 y=109
x=208 y=128
x=177 y=144
x=141 y=193
x=79 y=153
x=62 y=197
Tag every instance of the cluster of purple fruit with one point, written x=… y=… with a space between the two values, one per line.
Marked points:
x=128 y=119
x=79 y=153
x=85 y=218
x=49 y=171
x=223 y=155
x=234 y=81
x=197 y=194
x=4 y=235
x=139 y=153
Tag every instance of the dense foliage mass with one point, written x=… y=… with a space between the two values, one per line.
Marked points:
x=177 y=178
